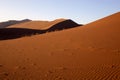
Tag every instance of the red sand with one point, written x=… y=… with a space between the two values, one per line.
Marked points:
x=91 y=52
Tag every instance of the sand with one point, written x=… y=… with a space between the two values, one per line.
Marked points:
x=12 y=22
x=91 y=52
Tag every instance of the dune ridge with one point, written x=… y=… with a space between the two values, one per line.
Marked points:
x=13 y=33
x=38 y=24
x=12 y=22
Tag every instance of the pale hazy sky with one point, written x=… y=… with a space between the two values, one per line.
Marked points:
x=81 y=11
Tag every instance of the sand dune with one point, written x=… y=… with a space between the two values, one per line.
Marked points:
x=13 y=33
x=37 y=24
x=91 y=52
x=12 y=22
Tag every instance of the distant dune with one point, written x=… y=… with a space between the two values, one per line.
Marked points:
x=17 y=32
x=37 y=24
x=12 y=22
x=91 y=52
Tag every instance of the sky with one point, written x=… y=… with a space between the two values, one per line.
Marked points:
x=81 y=11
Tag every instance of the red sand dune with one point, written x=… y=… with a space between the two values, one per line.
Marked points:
x=91 y=52
x=13 y=33
x=12 y=22
x=37 y=24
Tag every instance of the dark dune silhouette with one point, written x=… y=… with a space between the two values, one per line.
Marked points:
x=13 y=33
x=63 y=25
x=12 y=22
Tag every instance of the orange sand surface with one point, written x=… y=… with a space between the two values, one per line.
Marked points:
x=91 y=52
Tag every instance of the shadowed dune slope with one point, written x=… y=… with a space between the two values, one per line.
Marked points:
x=13 y=33
x=91 y=52
x=12 y=22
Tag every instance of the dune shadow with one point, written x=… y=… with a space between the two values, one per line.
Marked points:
x=13 y=33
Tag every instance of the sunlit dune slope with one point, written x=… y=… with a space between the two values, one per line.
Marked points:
x=37 y=24
x=12 y=22
x=91 y=52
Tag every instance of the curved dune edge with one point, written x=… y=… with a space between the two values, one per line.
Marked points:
x=37 y=24
x=91 y=52
x=12 y=22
